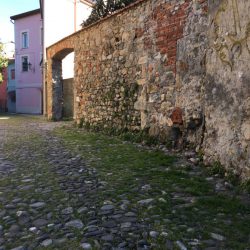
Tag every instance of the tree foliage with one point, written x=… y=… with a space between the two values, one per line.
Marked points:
x=104 y=8
x=3 y=61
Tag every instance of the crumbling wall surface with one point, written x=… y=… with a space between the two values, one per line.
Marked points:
x=126 y=66
x=213 y=82
x=227 y=86
x=191 y=73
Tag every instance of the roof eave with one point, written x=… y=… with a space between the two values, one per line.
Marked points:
x=26 y=14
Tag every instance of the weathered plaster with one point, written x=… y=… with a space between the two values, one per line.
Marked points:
x=227 y=88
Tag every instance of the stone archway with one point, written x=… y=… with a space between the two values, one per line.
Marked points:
x=55 y=54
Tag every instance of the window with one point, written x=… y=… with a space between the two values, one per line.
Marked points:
x=25 y=39
x=25 y=63
x=12 y=74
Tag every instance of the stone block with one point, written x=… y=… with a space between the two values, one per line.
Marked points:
x=144 y=120
x=140 y=105
x=166 y=106
x=141 y=81
x=154 y=130
x=154 y=98
x=143 y=60
x=245 y=128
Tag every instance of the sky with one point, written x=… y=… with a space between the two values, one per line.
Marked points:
x=10 y=8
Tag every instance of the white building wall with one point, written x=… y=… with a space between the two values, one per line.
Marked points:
x=59 y=23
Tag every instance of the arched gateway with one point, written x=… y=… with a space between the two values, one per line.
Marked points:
x=54 y=81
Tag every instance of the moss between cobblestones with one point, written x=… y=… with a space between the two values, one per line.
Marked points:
x=40 y=171
x=125 y=167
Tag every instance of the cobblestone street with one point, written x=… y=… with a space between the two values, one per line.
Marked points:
x=64 y=188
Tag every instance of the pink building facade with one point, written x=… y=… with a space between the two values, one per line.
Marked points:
x=28 y=57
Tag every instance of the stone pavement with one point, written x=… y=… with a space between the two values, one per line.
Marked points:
x=50 y=198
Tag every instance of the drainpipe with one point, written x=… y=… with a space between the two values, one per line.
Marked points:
x=74 y=15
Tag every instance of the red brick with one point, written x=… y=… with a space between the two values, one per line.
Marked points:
x=176 y=116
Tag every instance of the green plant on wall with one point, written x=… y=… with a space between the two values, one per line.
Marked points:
x=3 y=61
x=104 y=8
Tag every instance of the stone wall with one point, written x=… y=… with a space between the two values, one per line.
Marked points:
x=191 y=72
x=227 y=86
x=125 y=67
x=177 y=69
